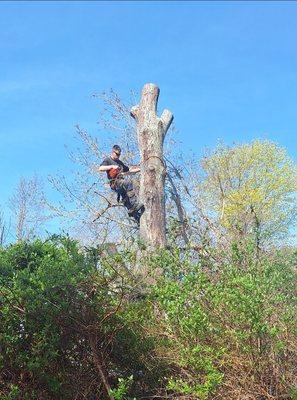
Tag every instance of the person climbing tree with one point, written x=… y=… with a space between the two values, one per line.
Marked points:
x=119 y=182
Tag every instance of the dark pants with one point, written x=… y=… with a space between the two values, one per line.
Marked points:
x=125 y=191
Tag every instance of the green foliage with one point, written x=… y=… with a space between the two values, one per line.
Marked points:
x=69 y=317
x=228 y=325
x=251 y=188
x=120 y=392
x=60 y=311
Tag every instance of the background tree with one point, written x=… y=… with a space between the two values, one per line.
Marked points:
x=28 y=208
x=4 y=230
x=251 y=190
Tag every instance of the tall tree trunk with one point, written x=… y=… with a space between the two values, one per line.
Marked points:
x=151 y=131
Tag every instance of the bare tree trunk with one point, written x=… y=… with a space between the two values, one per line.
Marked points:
x=151 y=131
x=2 y=235
x=27 y=204
x=3 y=230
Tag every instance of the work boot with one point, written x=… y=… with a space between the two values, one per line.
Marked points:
x=135 y=207
x=136 y=214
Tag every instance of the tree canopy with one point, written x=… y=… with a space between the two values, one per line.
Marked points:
x=251 y=188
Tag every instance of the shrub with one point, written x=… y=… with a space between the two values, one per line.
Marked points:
x=66 y=328
x=77 y=325
x=228 y=334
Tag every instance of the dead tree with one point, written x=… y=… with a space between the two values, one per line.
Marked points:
x=151 y=131
x=4 y=230
x=27 y=204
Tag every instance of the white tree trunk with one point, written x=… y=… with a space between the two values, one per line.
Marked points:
x=151 y=131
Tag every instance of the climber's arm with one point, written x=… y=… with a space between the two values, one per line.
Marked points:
x=134 y=168
x=104 y=168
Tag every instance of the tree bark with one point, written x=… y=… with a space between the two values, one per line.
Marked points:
x=151 y=131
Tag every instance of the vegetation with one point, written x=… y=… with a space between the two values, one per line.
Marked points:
x=103 y=317
x=251 y=187
x=75 y=324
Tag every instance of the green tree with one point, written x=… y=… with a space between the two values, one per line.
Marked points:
x=251 y=189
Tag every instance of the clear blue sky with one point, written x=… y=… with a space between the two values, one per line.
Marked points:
x=227 y=70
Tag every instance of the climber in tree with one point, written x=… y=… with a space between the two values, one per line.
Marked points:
x=120 y=183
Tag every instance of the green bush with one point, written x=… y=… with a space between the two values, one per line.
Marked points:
x=65 y=322
x=77 y=325
x=230 y=333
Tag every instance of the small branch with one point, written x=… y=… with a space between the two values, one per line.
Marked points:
x=105 y=198
x=114 y=311
x=99 y=365
x=109 y=205
x=180 y=210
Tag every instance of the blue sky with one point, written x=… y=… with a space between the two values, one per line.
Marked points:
x=227 y=70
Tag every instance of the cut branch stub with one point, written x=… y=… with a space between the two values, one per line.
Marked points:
x=151 y=131
x=166 y=118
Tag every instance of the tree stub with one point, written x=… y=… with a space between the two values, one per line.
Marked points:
x=151 y=131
